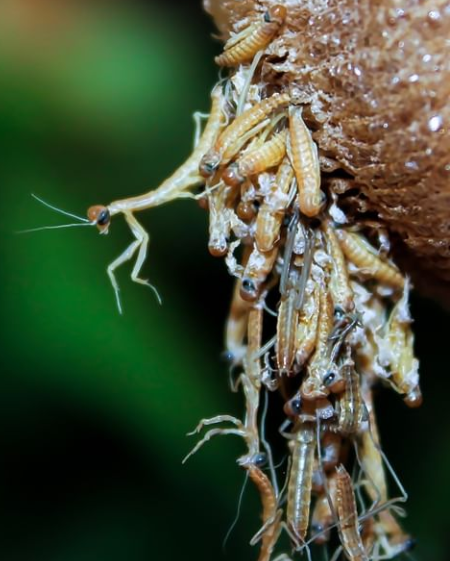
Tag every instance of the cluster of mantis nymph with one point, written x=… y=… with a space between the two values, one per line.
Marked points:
x=319 y=312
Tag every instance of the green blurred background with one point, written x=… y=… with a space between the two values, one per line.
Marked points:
x=96 y=103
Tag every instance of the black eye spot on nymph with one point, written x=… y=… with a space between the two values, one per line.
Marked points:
x=227 y=356
x=339 y=313
x=296 y=405
x=103 y=218
x=260 y=460
x=248 y=285
x=329 y=378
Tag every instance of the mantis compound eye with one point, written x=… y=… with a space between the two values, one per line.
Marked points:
x=333 y=381
x=293 y=407
x=249 y=291
x=260 y=460
x=101 y=216
x=329 y=378
x=209 y=163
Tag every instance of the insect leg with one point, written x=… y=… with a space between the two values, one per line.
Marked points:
x=198 y=116
x=143 y=239
x=215 y=420
x=238 y=513
x=336 y=554
x=267 y=446
x=208 y=437
x=260 y=533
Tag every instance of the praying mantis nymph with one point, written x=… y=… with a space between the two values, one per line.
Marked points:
x=176 y=186
x=244 y=46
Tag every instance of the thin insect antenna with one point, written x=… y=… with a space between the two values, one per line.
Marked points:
x=234 y=383
x=337 y=554
x=330 y=502
x=324 y=477
x=288 y=249
x=60 y=210
x=283 y=499
x=266 y=347
x=238 y=513
x=250 y=73
x=293 y=188
x=308 y=551
x=274 y=124
x=267 y=446
x=268 y=310
x=361 y=501
x=279 y=464
x=340 y=338
x=357 y=475
x=391 y=470
x=58 y=227
x=326 y=555
x=369 y=514
x=307 y=262
x=366 y=473
x=228 y=96
x=209 y=190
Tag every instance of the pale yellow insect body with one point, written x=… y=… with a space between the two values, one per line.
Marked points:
x=186 y=176
x=345 y=506
x=352 y=412
x=306 y=333
x=404 y=365
x=220 y=220
x=314 y=387
x=254 y=340
x=258 y=38
x=258 y=268
x=272 y=211
x=237 y=133
x=395 y=345
x=236 y=327
x=300 y=482
x=365 y=257
x=271 y=516
x=286 y=326
x=305 y=161
x=269 y=155
x=340 y=288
